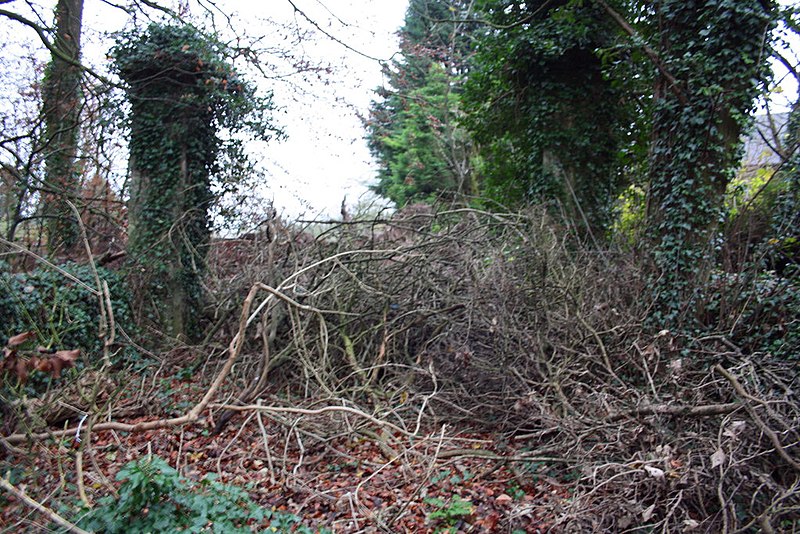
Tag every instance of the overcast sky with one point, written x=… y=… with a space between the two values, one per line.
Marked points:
x=325 y=157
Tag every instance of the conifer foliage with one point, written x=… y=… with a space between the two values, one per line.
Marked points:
x=414 y=128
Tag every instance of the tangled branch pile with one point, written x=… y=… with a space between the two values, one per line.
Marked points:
x=492 y=322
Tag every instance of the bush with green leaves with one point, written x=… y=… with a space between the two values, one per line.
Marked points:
x=449 y=515
x=154 y=497
x=64 y=313
x=760 y=311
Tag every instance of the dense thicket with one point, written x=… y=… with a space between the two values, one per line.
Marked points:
x=494 y=363
x=550 y=120
x=569 y=103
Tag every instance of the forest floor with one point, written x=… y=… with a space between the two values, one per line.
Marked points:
x=444 y=481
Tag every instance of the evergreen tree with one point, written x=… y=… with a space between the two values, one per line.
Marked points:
x=550 y=123
x=413 y=130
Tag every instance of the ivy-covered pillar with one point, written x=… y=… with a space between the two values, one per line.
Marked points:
x=713 y=53
x=180 y=90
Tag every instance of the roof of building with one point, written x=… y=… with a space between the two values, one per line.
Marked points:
x=762 y=144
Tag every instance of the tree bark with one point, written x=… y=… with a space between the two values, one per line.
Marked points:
x=61 y=103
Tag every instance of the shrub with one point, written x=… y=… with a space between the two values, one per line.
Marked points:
x=759 y=311
x=154 y=497
x=63 y=313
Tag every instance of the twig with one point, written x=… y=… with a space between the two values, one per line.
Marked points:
x=231 y=442
x=426 y=398
x=679 y=410
x=6 y=485
x=79 y=476
x=602 y=346
x=652 y=54
x=265 y=437
x=50 y=264
x=318 y=411
x=302 y=452
x=106 y=312
x=757 y=419
x=427 y=477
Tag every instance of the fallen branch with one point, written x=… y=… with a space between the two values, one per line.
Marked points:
x=773 y=437
x=679 y=410
x=318 y=411
x=39 y=507
x=191 y=416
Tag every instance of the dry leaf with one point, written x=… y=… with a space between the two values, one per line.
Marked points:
x=654 y=472
x=22 y=370
x=718 y=458
x=68 y=355
x=503 y=499
x=647 y=514
x=690 y=524
x=734 y=429
x=19 y=339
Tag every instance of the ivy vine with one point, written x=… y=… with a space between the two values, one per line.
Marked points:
x=714 y=50
x=183 y=92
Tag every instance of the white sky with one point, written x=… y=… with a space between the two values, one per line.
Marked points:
x=325 y=157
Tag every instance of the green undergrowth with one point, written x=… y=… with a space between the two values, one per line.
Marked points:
x=154 y=497
x=62 y=310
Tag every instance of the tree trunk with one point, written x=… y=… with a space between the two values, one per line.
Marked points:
x=61 y=102
x=713 y=51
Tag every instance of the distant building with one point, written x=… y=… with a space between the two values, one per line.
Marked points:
x=764 y=143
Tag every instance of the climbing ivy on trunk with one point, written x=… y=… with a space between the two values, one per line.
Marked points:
x=182 y=91
x=714 y=54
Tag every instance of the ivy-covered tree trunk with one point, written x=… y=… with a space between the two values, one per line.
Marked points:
x=713 y=52
x=168 y=229
x=61 y=102
x=549 y=120
x=182 y=90
x=173 y=146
